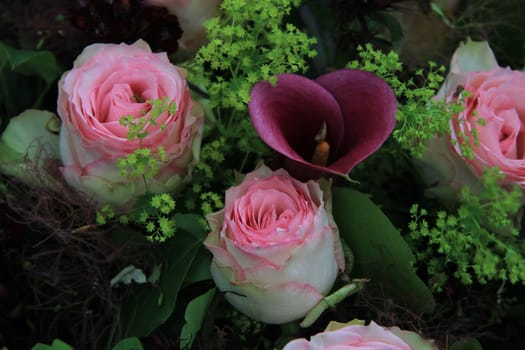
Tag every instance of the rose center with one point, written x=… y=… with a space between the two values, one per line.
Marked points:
x=268 y=217
x=123 y=100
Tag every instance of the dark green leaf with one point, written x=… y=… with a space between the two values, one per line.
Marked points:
x=200 y=269
x=56 y=345
x=150 y=306
x=380 y=252
x=128 y=344
x=194 y=316
x=319 y=20
x=467 y=344
x=396 y=32
x=39 y=63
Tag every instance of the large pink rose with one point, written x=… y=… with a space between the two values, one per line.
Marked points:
x=359 y=336
x=108 y=82
x=492 y=124
x=497 y=98
x=276 y=247
x=191 y=15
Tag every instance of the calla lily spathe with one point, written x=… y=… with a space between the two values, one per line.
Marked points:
x=357 y=108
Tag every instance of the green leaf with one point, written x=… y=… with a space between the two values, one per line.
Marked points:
x=194 y=316
x=128 y=344
x=150 y=306
x=200 y=269
x=26 y=62
x=155 y=274
x=18 y=69
x=466 y=344
x=393 y=26
x=56 y=345
x=320 y=21
x=380 y=252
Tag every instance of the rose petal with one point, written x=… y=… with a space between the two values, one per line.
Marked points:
x=267 y=303
x=473 y=56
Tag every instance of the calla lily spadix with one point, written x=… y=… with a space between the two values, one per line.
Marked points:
x=324 y=126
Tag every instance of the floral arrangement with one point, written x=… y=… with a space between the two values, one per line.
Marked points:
x=279 y=174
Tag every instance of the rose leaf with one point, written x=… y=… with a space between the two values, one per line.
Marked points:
x=194 y=316
x=380 y=252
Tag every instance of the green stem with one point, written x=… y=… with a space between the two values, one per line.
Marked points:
x=43 y=93
x=331 y=300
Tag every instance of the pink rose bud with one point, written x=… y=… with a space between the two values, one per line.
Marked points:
x=355 y=335
x=109 y=82
x=276 y=247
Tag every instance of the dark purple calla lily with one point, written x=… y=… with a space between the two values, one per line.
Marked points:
x=357 y=108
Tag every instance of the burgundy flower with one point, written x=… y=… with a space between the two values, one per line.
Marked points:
x=324 y=126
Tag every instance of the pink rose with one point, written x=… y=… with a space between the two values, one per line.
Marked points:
x=497 y=98
x=358 y=336
x=191 y=15
x=106 y=83
x=276 y=247
x=494 y=114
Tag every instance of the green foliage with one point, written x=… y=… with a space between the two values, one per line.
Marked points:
x=146 y=308
x=155 y=215
x=57 y=344
x=478 y=238
x=156 y=218
x=128 y=344
x=138 y=127
x=466 y=344
x=246 y=329
x=33 y=72
x=154 y=210
x=194 y=316
x=235 y=147
x=248 y=43
x=419 y=118
x=27 y=62
x=145 y=161
x=380 y=252
x=124 y=344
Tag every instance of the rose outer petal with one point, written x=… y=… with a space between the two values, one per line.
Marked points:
x=273 y=304
x=369 y=107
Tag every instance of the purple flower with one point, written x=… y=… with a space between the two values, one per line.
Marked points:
x=324 y=126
